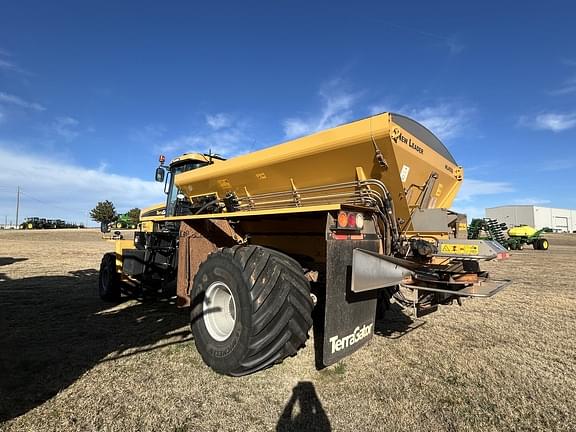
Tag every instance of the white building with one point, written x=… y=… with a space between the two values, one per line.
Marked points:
x=563 y=220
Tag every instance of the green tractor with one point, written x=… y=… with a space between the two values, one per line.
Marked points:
x=36 y=223
x=55 y=224
x=31 y=223
x=124 y=221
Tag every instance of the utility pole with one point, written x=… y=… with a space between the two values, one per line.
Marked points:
x=17 y=205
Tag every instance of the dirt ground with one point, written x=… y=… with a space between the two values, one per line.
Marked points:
x=71 y=362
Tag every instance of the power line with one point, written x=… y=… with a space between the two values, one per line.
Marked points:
x=51 y=204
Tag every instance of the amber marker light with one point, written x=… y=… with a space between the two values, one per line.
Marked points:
x=342 y=219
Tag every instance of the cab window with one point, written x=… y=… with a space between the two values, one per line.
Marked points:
x=173 y=190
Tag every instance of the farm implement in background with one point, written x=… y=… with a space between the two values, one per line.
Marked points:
x=42 y=223
x=512 y=239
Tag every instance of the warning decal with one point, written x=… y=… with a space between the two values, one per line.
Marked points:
x=404 y=172
x=460 y=249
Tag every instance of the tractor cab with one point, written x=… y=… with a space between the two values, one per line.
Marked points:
x=176 y=203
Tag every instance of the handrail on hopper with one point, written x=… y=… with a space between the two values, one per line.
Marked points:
x=362 y=194
x=287 y=197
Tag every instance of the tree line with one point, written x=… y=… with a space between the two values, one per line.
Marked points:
x=105 y=212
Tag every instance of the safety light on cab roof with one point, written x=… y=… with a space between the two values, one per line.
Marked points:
x=350 y=220
x=162 y=159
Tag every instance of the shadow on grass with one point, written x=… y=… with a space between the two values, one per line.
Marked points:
x=395 y=323
x=308 y=416
x=55 y=328
x=9 y=260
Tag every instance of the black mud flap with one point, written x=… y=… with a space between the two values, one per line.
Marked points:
x=345 y=322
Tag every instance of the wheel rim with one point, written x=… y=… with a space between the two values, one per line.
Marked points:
x=219 y=311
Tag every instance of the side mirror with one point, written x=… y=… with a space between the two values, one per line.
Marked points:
x=104 y=227
x=160 y=174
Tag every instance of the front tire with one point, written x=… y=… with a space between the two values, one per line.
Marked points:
x=251 y=308
x=109 y=283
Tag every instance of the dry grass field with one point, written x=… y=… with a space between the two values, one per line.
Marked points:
x=70 y=362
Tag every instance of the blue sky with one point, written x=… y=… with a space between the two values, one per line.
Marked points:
x=91 y=92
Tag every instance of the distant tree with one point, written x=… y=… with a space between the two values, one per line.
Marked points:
x=104 y=212
x=134 y=215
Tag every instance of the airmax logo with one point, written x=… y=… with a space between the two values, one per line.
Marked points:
x=344 y=342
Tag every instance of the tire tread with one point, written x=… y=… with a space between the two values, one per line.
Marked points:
x=281 y=305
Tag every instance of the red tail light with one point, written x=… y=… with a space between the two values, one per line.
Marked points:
x=351 y=220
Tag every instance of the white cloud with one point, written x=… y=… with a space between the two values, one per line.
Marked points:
x=228 y=143
x=337 y=108
x=454 y=46
x=102 y=166
x=451 y=42
x=221 y=135
x=557 y=165
x=530 y=201
x=472 y=188
x=472 y=212
x=569 y=84
x=218 y=121
x=149 y=134
x=567 y=87
x=6 y=64
x=381 y=108
x=6 y=98
x=555 y=122
x=65 y=127
x=446 y=120
x=473 y=192
x=54 y=189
